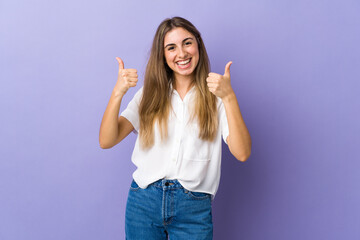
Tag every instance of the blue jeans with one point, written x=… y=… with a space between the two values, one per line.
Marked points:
x=166 y=209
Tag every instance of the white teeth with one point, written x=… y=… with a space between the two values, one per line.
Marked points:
x=184 y=62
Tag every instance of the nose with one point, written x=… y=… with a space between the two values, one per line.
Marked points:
x=182 y=53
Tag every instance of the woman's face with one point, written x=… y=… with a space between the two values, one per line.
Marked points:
x=181 y=52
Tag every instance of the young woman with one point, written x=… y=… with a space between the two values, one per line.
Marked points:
x=180 y=114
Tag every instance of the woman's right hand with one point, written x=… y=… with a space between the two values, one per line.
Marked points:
x=127 y=78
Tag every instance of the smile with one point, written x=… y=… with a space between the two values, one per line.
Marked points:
x=184 y=64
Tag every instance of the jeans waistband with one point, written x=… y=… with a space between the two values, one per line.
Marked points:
x=167 y=183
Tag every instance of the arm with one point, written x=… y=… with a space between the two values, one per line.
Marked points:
x=239 y=140
x=113 y=128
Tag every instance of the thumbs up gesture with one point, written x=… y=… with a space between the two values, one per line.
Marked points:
x=127 y=78
x=219 y=84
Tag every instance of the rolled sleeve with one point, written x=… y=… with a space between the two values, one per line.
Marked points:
x=131 y=112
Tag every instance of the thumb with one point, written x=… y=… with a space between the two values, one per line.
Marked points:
x=227 y=68
x=121 y=63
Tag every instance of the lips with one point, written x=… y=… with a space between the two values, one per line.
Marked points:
x=184 y=63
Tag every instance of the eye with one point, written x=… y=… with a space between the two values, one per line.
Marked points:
x=171 y=48
x=188 y=43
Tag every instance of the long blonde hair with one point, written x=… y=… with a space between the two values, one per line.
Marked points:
x=155 y=104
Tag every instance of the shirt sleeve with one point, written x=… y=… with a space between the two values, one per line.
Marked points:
x=131 y=112
x=223 y=121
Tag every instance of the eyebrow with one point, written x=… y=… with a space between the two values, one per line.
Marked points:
x=170 y=44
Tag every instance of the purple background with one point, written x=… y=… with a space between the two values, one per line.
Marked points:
x=296 y=73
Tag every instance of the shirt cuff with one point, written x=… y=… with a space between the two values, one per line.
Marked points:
x=133 y=119
x=225 y=134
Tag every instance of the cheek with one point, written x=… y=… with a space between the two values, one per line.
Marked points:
x=169 y=59
x=195 y=52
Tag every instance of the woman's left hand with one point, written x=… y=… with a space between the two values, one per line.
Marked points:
x=219 y=84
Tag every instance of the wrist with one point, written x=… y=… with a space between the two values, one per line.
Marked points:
x=118 y=94
x=229 y=97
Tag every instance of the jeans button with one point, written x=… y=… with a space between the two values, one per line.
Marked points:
x=166 y=184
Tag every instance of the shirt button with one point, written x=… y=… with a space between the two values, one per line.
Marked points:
x=174 y=159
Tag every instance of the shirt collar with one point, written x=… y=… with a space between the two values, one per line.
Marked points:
x=173 y=91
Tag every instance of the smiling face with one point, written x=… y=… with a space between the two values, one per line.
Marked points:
x=181 y=52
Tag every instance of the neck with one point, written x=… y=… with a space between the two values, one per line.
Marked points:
x=183 y=83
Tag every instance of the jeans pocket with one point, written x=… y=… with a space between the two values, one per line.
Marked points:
x=197 y=195
x=134 y=187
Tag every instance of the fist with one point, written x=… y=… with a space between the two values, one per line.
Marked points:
x=219 y=84
x=127 y=78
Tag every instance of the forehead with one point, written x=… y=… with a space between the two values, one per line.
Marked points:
x=176 y=35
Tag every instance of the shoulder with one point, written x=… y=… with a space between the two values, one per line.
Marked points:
x=138 y=95
x=139 y=91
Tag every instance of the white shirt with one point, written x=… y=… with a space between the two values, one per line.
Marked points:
x=183 y=155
